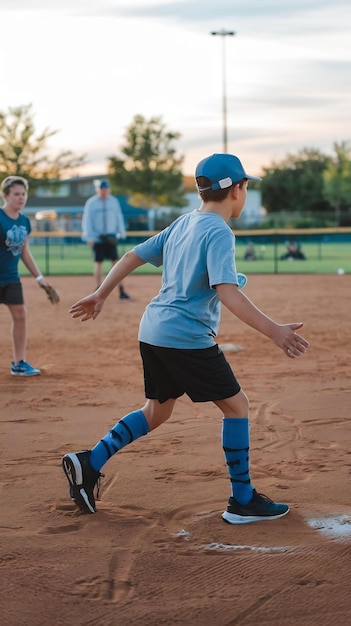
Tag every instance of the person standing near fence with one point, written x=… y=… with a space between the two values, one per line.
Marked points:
x=102 y=227
x=14 y=230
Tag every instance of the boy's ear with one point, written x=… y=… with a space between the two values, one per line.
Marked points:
x=234 y=191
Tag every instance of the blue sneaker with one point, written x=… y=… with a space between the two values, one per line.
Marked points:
x=24 y=369
x=259 y=508
x=82 y=480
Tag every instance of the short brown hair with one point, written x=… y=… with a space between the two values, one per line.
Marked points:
x=214 y=195
x=8 y=182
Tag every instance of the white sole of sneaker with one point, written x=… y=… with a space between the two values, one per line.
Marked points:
x=231 y=518
x=24 y=374
x=74 y=474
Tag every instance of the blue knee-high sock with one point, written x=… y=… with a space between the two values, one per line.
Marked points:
x=128 y=429
x=236 y=443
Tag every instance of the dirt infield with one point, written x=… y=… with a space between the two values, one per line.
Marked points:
x=157 y=552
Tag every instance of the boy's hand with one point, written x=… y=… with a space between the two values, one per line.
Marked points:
x=289 y=341
x=87 y=308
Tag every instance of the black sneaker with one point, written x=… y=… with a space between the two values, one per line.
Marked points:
x=82 y=480
x=124 y=296
x=259 y=508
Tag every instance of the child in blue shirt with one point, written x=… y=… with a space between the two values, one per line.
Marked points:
x=177 y=337
x=14 y=232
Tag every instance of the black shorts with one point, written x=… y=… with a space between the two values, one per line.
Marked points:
x=12 y=293
x=204 y=375
x=104 y=251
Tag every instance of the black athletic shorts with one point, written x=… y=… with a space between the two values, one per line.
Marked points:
x=104 y=251
x=12 y=293
x=204 y=375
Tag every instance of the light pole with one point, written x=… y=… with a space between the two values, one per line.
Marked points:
x=224 y=33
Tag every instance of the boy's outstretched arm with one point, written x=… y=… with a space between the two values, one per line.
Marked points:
x=283 y=335
x=90 y=306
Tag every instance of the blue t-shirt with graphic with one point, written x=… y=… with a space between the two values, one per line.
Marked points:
x=13 y=233
x=197 y=253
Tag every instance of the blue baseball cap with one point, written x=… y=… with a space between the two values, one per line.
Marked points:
x=223 y=170
x=104 y=184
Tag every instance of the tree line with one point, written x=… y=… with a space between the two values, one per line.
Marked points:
x=314 y=189
x=307 y=189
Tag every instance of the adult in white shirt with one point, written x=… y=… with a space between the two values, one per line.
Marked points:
x=102 y=227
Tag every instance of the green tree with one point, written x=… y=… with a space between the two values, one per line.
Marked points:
x=296 y=184
x=337 y=183
x=23 y=152
x=149 y=171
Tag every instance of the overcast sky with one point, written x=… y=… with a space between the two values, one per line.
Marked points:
x=89 y=66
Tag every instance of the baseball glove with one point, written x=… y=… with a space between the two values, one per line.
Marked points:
x=52 y=294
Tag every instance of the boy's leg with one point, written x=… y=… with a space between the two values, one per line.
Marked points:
x=98 y=255
x=122 y=292
x=19 y=331
x=82 y=469
x=128 y=429
x=157 y=413
x=19 y=366
x=98 y=273
x=236 y=444
x=245 y=505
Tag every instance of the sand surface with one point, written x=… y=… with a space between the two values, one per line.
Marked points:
x=157 y=552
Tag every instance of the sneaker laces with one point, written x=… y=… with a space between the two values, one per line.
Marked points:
x=98 y=484
x=262 y=495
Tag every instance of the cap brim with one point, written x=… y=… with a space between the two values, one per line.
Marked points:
x=253 y=177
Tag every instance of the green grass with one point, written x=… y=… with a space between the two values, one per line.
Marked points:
x=58 y=259
x=321 y=258
x=76 y=259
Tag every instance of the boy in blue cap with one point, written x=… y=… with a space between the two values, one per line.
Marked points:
x=177 y=338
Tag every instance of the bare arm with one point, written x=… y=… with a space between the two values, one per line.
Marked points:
x=283 y=335
x=30 y=263
x=90 y=306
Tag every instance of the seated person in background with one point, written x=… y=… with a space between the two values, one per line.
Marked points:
x=250 y=254
x=293 y=251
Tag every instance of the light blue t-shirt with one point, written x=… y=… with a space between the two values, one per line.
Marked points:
x=197 y=253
